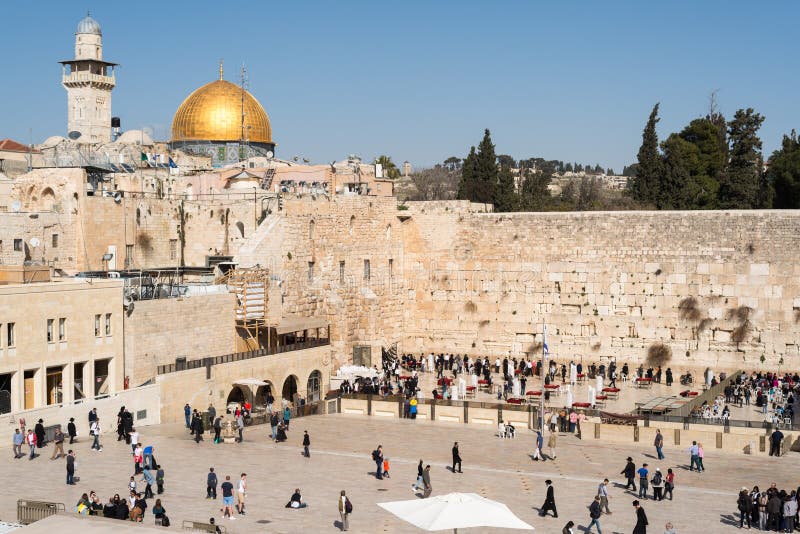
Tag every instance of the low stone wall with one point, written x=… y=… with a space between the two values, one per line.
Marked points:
x=143 y=402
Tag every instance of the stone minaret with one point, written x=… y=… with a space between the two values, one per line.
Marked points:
x=88 y=81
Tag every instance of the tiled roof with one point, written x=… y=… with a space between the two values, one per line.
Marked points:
x=10 y=145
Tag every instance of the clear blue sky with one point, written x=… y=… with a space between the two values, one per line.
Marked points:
x=420 y=80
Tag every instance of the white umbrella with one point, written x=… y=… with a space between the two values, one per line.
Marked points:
x=455 y=510
x=250 y=382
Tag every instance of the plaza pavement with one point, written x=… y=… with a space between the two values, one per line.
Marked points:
x=340 y=459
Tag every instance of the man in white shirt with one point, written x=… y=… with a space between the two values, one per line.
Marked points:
x=241 y=492
x=134 y=440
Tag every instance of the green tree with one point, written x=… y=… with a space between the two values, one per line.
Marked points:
x=452 y=163
x=568 y=167
x=743 y=185
x=505 y=195
x=610 y=172
x=588 y=193
x=467 y=184
x=534 y=193
x=708 y=165
x=504 y=160
x=485 y=170
x=681 y=159
x=644 y=186
x=784 y=173
x=390 y=170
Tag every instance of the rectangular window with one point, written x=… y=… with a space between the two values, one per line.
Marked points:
x=10 y=338
x=108 y=324
x=97 y=325
x=173 y=249
x=341 y=272
x=391 y=270
x=366 y=270
x=62 y=329
x=311 y=271
x=128 y=255
x=50 y=330
x=18 y=245
x=54 y=241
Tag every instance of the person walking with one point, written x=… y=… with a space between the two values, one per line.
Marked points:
x=551 y=446
x=641 y=519
x=19 y=439
x=273 y=423
x=669 y=483
x=418 y=485
x=306 y=444
x=227 y=497
x=643 y=472
x=700 y=455
x=345 y=509
x=377 y=457
x=58 y=441
x=31 y=440
x=594 y=515
x=241 y=493
x=775 y=440
x=630 y=474
x=70 y=468
x=549 y=500
x=39 y=431
x=187 y=414
x=658 y=485
x=240 y=427
x=602 y=492
x=426 y=481
x=537 y=453
x=456 y=458
x=658 y=443
x=72 y=432
x=745 y=505
x=211 y=484
x=693 y=457
x=95 y=430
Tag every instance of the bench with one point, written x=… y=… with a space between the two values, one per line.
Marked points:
x=198 y=526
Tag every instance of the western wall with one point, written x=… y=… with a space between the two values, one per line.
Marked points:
x=714 y=288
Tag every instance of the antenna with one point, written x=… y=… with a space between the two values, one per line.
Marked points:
x=242 y=140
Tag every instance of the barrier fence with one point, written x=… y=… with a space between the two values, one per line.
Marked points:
x=31 y=511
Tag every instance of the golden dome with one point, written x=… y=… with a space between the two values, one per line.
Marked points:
x=214 y=113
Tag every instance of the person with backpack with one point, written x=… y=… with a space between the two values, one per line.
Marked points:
x=658 y=485
x=745 y=505
x=594 y=515
x=345 y=509
x=377 y=457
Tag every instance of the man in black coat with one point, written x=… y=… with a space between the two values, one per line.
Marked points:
x=71 y=430
x=456 y=458
x=641 y=519
x=549 y=500
x=630 y=474
x=39 y=431
x=774 y=442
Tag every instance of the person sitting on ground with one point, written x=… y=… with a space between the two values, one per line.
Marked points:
x=83 y=505
x=139 y=507
x=281 y=437
x=159 y=511
x=95 y=506
x=296 y=500
x=213 y=524
x=121 y=508
x=110 y=509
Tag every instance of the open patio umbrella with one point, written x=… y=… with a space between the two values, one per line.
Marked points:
x=455 y=510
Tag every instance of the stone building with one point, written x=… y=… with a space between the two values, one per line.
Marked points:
x=60 y=340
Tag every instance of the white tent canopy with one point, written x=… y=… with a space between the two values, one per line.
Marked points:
x=250 y=382
x=454 y=511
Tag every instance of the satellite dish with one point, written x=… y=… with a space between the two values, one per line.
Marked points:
x=16 y=206
x=117 y=197
x=74 y=135
x=270 y=154
x=35 y=242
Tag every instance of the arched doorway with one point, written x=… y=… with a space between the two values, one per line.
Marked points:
x=237 y=396
x=313 y=386
x=290 y=388
x=262 y=393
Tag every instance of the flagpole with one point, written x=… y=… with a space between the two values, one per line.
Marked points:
x=544 y=358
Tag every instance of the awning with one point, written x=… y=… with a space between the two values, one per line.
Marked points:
x=298 y=324
x=250 y=382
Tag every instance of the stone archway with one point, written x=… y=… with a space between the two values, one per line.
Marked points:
x=289 y=391
x=313 y=386
x=237 y=395
x=262 y=393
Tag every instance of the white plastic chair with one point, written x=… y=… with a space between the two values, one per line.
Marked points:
x=501 y=430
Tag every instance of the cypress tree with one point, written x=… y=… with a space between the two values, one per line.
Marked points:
x=485 y=170
x=784 y=173
x=743 y=186
x=466 y=186
x=648 y=173
x=505 y=195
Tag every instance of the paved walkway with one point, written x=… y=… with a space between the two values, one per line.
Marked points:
x=341 y=446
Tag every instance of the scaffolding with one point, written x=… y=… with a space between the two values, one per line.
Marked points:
x=251 y=287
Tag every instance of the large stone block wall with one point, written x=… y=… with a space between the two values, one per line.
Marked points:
x=327 y=232
x=158 y=331
x=607 y=284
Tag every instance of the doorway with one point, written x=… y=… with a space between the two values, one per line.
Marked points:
x=290 y=388
x=30 y=389
x=55 y=390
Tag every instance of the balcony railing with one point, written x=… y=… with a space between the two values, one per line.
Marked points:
x=239 y=356
x=88 y=77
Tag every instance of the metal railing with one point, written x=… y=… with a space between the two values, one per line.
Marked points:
x=31 y=511
x=199 y=526
x=239 y=356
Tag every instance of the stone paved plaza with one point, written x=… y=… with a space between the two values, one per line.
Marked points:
x=340 y=459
